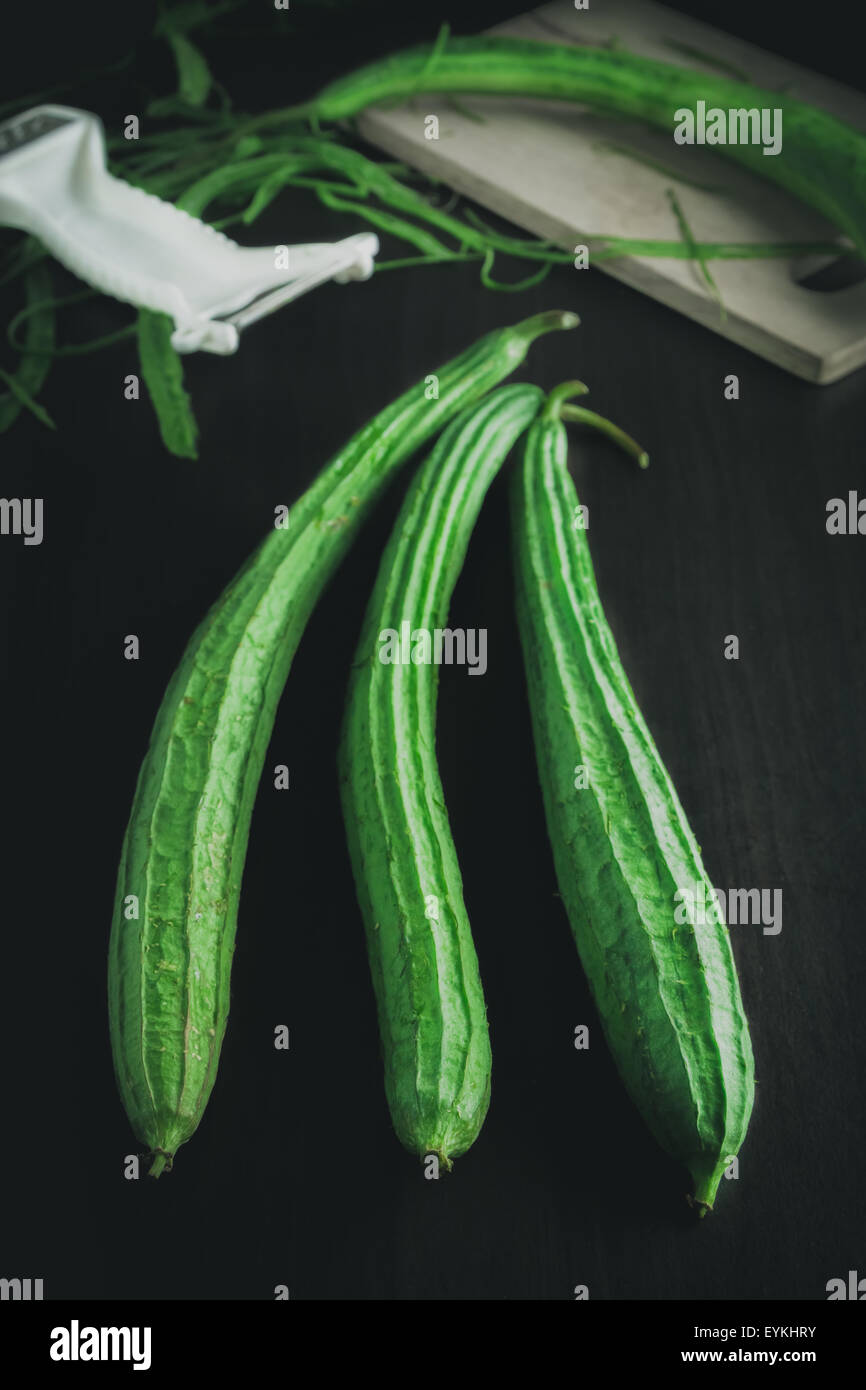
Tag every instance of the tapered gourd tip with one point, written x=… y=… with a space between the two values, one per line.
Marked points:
x=304 y=111
x=706 y=1187
x=699 y=1208
x=444 y=1161
x=161 y=1163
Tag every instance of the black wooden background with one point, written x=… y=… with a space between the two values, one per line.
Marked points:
x=295 y=1176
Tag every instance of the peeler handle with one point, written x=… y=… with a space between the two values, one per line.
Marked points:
x=142 y=250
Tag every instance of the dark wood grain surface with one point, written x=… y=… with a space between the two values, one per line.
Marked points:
x=295 y=1176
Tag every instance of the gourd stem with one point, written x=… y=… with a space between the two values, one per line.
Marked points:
x=548 y=322
x=588 y=417
x=553 y=406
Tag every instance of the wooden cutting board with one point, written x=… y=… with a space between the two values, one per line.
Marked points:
x=542 y=165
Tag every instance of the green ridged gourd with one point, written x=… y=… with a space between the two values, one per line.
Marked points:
x=432 y=1016
x=626 y=859
x=178 y=884
x=822 y=159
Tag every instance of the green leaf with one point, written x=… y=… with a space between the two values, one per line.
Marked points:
x=25 y=400
x=247 y=146
x=696 y=253
x=489 y=283
x=19 y=259
x=235 y=178
x=35 y=363
x=463 y=110
x=192 y=69
x=614 y=147
x=163 y=376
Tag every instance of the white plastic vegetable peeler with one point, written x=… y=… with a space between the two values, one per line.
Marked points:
x=130 y=244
